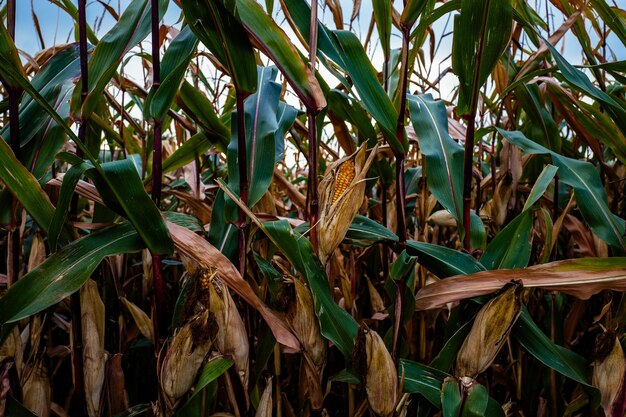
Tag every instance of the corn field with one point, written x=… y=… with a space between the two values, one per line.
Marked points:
x=313 y=208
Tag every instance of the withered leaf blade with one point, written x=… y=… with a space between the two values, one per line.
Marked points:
x=581 y=278
x=208 y=257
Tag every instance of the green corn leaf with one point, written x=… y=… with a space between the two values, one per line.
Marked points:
x=263 y=125
x=481 y=33
x=173 y=68
x=25 y=187
x=275 y=43
x=64 y=272
x=590 y=194
x=134 y=25
x=562 y=360
x=441 y=261
x=11 y=59
x=221 y=31
x=335 y=323
x=444 y=158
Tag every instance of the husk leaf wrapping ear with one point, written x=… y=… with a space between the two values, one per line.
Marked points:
x=341 y=194
x=609 y=373
x=184 y=357
x=232 y=338
x=94 y=356
x=489 y=332
x=375 y=364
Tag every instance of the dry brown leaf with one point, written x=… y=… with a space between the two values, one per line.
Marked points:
x=208 y=257
x=143 y=322
x=581 y=278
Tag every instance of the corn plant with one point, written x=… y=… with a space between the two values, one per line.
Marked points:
x=291 y=209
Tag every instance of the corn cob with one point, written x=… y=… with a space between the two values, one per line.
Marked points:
x=345 y=176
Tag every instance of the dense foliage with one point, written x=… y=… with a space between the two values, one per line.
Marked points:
x=282 y=218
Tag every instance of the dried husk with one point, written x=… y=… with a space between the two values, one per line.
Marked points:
x=307 y=327
x=36 y=391
x=489 y=332
x=609 y=373
x=184 y=357
x=265 y=403
x=143 y=322
x=442 y=218
x=37 y=252
x=375 y=364
x=13 y=347
x=232 y=338
x=335 y=218
x=94 y=360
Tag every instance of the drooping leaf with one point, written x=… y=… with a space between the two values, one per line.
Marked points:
x=590 y=194
x=275 y=43
x=579 y=80
x=443 y=262
x=25 y=187
x=419 y=378
x=562 y=360
x=40 y=137
x=345 y=49
x=64 y=272
x=581 y=278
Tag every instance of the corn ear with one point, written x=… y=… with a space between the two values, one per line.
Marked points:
x=37 y=391
x=92 y=309
x=184 y=357
x=232 y=338
x=609 y=373
x=307 y=327
x=341 y=193
x=489 y=332
x=375 y=364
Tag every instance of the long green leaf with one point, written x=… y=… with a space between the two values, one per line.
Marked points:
x=220 y=31
x=562 y=360
x=64 y=272
x=40 y=137
x=444 y=159
x=134 y=25
x=173 y=68
x=262 y=119
x=11 y=59
x=345 y=49
x=511 y=248
x=590 y=194
x=25 y=187
x=481 y=33
x=441 y=261
x=335 y=323
x=276 y=44
x=579 y=80
x=422 y=379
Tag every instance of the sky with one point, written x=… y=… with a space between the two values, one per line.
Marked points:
x=57 y=27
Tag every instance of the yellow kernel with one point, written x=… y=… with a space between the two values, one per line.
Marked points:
x=345 y=176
